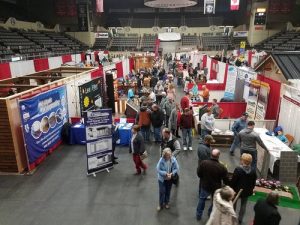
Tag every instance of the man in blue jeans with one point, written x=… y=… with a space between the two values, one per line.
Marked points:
x=157 y=120
x=212 y=175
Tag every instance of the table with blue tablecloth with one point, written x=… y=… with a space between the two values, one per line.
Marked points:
x=77 y=134
x=125 y=133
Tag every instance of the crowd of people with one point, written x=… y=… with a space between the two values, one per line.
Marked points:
x=166 y=116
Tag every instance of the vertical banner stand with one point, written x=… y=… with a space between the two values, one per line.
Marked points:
x=98 y=128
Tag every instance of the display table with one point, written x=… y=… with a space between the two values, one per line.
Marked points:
x=77 y=134
x=223 y=139
x=274 y=147
x=125 y=133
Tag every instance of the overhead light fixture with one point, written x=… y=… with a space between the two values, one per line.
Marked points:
x=170 y=4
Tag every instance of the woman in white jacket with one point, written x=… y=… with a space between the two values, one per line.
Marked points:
x=223 y=212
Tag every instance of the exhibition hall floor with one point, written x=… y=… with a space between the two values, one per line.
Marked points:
x=60 y=193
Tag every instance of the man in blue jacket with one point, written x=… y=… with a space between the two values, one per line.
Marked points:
x=237 y=126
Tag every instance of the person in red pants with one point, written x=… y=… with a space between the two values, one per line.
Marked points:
x=137 y=148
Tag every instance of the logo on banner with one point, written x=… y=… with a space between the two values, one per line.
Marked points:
x=234 y=5
x=209 y=6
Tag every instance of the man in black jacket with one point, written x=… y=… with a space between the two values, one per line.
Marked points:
x=211 y=174
x=266 y=212
x=157 y=120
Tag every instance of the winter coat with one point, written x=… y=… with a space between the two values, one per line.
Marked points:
x=244 y=177
x=168 y=107
x=173 y=119
x=222 y=212
x=248 y=139
x=212 y=174
x=207 y=122
x=144 y=117
x=266 y=214
x=185 y=102
x=186 y=121
x=157 y=118
x=239 y=125
x=162 y=168
x=138 y=145
x=204 y=152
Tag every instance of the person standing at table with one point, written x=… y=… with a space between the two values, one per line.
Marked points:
x=207 y=123
x=144 y=122
x=248 y=139
x=215 y=109
x=205 y=93
x=244 y=177
x=137 y=148
x=237 y=126
x=167 y=167
x=186 y=126
x=157 y=120
x=266 y=212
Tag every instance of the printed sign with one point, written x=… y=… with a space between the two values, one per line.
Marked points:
x=244 y=74
x=101 y=35
x=209 y=6
x=98 y=125
x=42 y=119
x=234 y=5
x=231 y=82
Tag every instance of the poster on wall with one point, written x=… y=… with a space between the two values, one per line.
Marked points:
x=98 y=125
x=262 y=102
x=43 y=117
x=209 y=6
x=91 y=95
x=230 y=83
x=252 y=100
x=248 y=76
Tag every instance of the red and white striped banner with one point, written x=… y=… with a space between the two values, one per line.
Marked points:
x=234 y=5
x=99 y=6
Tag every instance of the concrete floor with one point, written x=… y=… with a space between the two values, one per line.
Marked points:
x=60 y=193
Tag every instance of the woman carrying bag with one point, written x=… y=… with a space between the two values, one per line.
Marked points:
x=167 y=170
x=137 y=148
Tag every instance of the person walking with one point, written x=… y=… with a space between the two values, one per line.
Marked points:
x=186 y=125
x=168 y=107
x=207 y=123
x=244 y=177
x=137 y=148
x=215 y=109
x=173 y=120
x=266 y=212
x=185 y=101
x=167 y=168
x=170 y=141
x=144 y=122
x=204 y=148
x=171 y=93
x=212 y=174
x=248 y=139
x=157 y=120
x=223 y=212
x=237 y=126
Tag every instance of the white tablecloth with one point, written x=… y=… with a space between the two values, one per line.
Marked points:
x=274 y=146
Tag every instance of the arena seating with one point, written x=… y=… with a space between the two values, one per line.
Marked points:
x=286 y=41
x=236 y=42
x=190 y=40
x=101 y=43
x=120 y=43
x=148 y=42
x=216 y=43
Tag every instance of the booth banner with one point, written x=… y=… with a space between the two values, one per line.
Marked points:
x=98 y=125
x=234 y=5
x=90 y=95
x=252 y=100
x=43 y=117
x=230 y=83
x=240 y=33
x=103 y=35
x=209 y=6
x=262 y=102
x=248 y=76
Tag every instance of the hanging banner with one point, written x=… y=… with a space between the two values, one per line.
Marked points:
x=234 y=5
x=230 y=83
x=262 y=103
x=244 y=74
x=209 y=6
x=91 y=95
x=43 y=117
x=157 y=43
x=99 y=6
x=242 y=49
x=98 y=125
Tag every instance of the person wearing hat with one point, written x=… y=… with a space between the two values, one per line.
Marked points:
x=244 y=177
x=204 y=148
x=237 y=126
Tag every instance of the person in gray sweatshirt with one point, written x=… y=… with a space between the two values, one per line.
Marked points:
x=248 y=139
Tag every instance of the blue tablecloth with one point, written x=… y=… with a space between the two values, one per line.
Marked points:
x=77 y=134
x=125 y=133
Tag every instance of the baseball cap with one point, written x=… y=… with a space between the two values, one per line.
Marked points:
x=245 y=114
x=209 y=138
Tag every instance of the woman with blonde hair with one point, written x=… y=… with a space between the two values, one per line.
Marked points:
x=137 y=148
x=167 y=169
x=244 y=177
x=171 y=93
